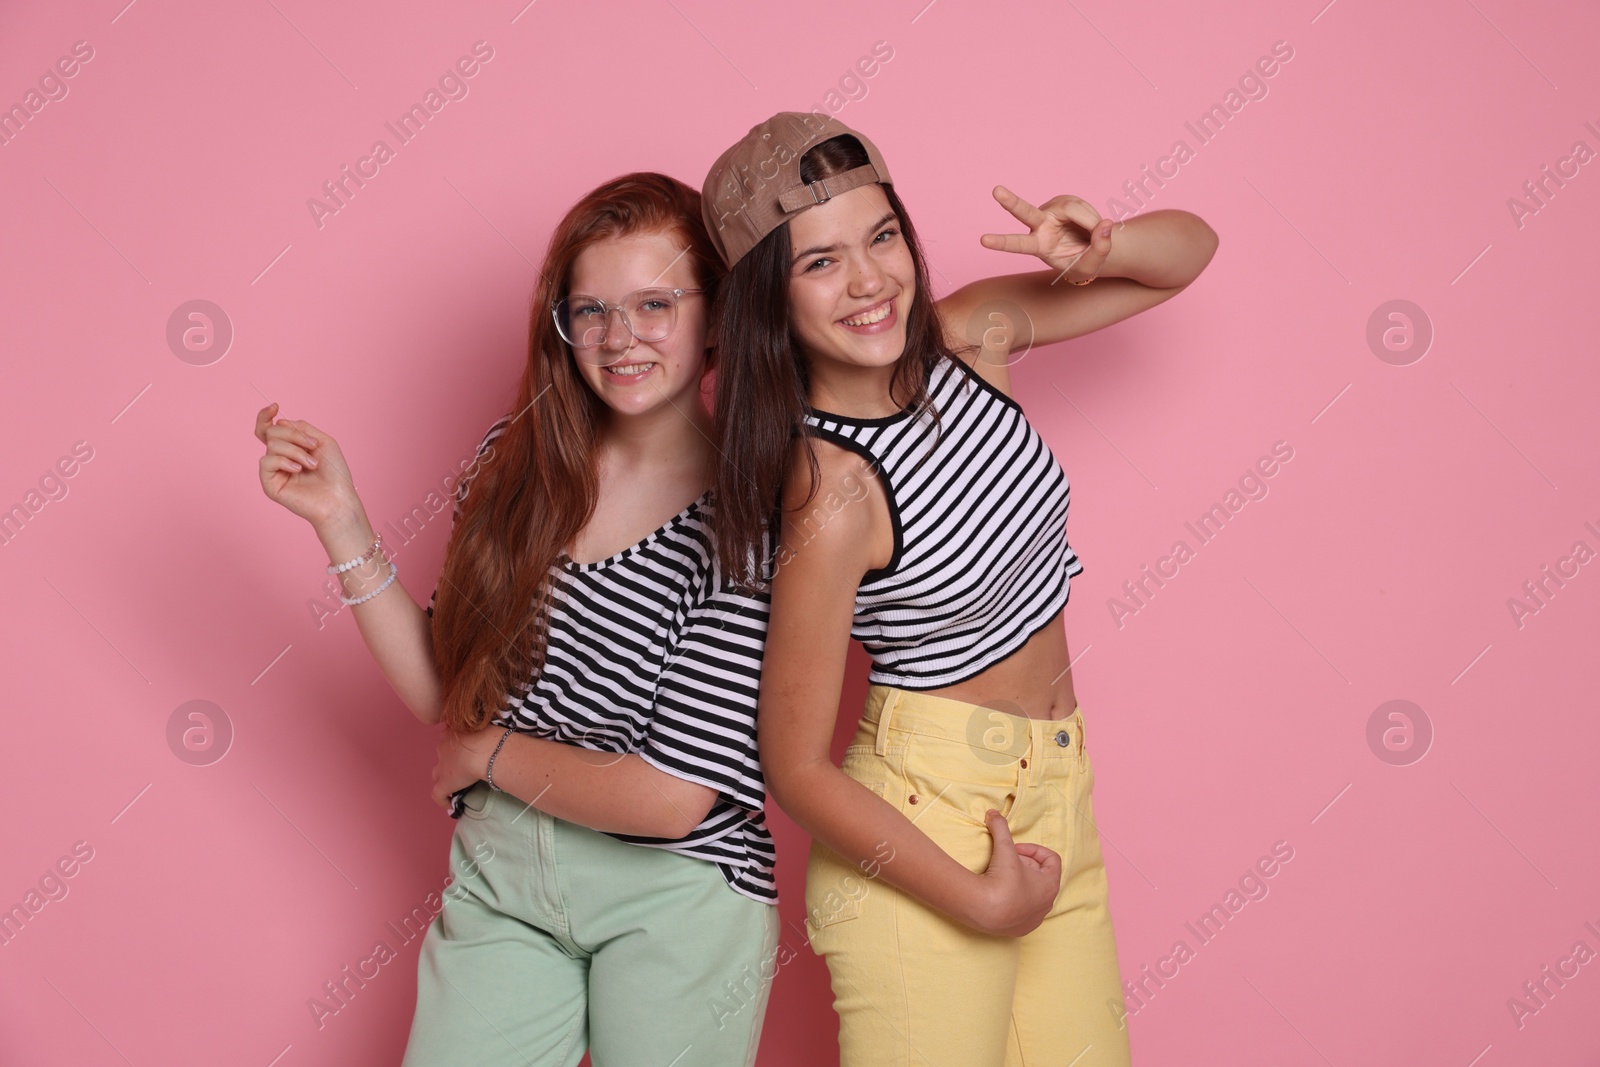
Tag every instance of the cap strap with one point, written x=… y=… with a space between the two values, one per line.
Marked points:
x=819 y=192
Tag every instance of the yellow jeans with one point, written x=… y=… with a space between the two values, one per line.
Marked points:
x=915 y=988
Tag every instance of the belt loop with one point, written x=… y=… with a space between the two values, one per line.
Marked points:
x=885 y=713
x=1038 y=732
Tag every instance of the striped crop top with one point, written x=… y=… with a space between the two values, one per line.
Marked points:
x=981 y=561
x=650 y=652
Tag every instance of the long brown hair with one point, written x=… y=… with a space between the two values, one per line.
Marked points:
x=764 y=381
x=538 y=488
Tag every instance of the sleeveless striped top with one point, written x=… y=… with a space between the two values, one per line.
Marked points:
x=651 y=652
x=981 y=561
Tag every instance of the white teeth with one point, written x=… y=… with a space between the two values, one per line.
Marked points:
x=629 y=370
x=867 y=320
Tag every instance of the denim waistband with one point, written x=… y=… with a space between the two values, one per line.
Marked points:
x=890 y=710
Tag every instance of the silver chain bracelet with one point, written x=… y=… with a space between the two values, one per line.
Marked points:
x=489 y=770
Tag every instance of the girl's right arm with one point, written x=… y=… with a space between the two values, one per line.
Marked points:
x=813 y=601
x=304 y=470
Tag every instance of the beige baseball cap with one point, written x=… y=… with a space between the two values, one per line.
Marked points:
x=755 y=187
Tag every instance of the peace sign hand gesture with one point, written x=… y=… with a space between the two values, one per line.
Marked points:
x=1065 y=231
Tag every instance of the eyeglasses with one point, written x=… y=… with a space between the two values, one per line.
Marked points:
x=584 y=321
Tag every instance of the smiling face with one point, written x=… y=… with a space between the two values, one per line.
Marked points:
x=851 y=280
x=636 y=377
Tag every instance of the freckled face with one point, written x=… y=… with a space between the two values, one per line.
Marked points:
x=851 y=279
x=637 y=377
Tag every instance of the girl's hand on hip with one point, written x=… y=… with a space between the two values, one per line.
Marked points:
x=463 y=760
x=303 y=469
x=1065 y=232
x=1020 y=885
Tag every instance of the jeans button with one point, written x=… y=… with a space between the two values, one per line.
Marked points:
x=1063 y=738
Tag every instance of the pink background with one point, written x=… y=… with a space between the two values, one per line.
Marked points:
x=1229 y=713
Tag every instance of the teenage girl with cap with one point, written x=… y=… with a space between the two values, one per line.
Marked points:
x=955 y=885
x=614 y=881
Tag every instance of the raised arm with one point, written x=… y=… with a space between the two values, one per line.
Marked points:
x=1136 y=264
x=305 y=471
x=813 y=597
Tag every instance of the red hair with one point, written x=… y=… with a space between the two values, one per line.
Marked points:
x=537 y=490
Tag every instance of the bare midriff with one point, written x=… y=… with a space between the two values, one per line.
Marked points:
x=1033 y=681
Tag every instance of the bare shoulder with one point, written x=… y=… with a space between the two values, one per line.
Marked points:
x=982 y=332
x=838 y=517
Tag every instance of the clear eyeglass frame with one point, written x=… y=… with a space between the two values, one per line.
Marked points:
x=589 y=342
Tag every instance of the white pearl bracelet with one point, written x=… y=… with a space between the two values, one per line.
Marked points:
x=393 y=570
x=340 y=568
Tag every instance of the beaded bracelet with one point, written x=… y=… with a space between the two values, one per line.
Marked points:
x=393 y=570
x=359 y=560
x=489 y=770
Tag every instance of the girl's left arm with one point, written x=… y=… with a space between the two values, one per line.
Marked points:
x=612 y=792
x=1136 y=264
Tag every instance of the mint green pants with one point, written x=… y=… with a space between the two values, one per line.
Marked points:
x=555 y=938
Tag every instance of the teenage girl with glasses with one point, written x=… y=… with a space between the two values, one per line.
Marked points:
x=963 y=948
x=600 y=747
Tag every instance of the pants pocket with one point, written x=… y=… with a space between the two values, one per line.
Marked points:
x=834 y=891
x=948 y=789
x=477 y=800
x=835 y=887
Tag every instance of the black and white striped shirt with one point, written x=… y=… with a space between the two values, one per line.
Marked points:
x=651 y=652
x=981 y=561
